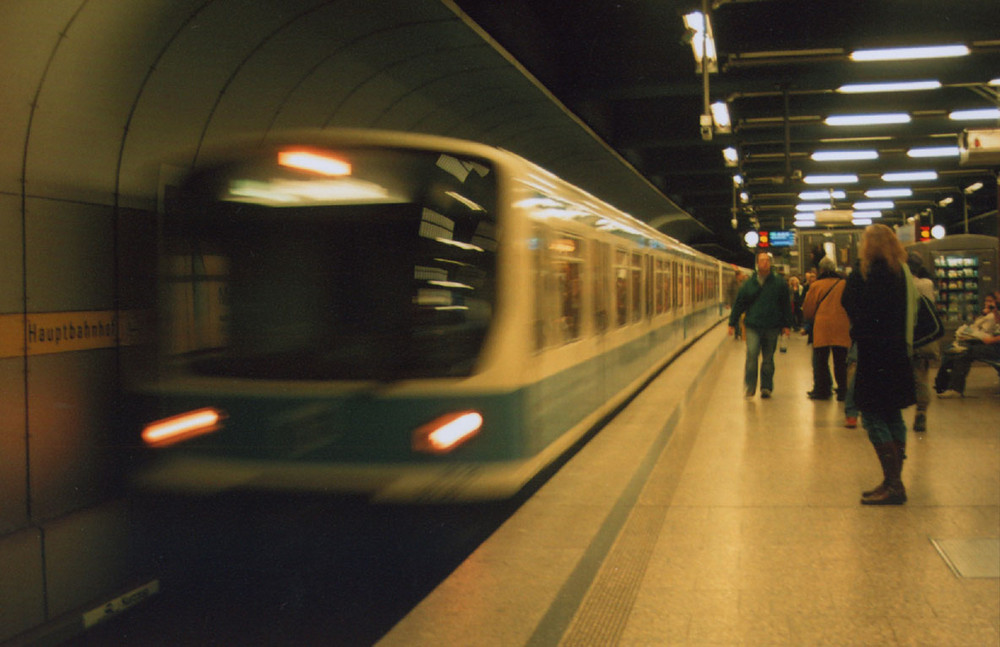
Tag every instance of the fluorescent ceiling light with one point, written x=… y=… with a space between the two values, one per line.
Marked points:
x=861 y=221
x=995 y=81
x=944 y=202
x=720 y=115
x=804 y=223
x=895 y=86
x=867 y=214
x=812 y=206
x=872 y=205
x=909 y=176
x=830 y=179
x=972 y=188
x=744 y=197
x=738 y=180
x=868 y=120
x=700 y=28
x=838 y=156
x=901 y=192
x=934 y=151
x=909 y=53
x=823 y=195
x=972 y=115
x=730 y=155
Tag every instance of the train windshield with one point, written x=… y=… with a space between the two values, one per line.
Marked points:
x=364 y=264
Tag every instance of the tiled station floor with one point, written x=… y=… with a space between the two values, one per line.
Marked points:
x=698 y=517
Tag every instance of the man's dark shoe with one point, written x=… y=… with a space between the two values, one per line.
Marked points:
x=813 y=395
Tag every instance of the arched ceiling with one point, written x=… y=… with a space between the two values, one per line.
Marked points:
x=99 y=93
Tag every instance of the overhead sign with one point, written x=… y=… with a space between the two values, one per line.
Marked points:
x=782 y=238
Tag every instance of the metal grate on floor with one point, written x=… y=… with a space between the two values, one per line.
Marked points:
x=979 y=557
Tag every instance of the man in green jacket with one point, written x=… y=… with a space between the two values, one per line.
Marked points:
x=767 y=302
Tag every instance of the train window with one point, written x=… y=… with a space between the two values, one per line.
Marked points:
x=387 y=274
x=649 y=274
x=600 y=253
x=687 y=283
x=196 y=287
x=567 y=263
x=636 y=286
x=621 y=287
x=678 y=285
x=666 y=285
x=540 y=250
x=658 y=286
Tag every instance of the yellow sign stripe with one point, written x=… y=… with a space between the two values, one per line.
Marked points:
x=43 y=333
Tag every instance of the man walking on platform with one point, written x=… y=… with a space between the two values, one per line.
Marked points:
x=767 y=302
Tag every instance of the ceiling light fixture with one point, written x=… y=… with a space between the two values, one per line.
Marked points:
x=972 y=188
x=909 y=176
x=944 y=202
x=720 y=116
x=804 y=223
x=830 y=179
x=994 y=81
x=840 y=156
x=731 y=157
x=833 y=194
x=974 y=115
x=867 y=214
x=894 y=86
x=874 y=205
x=861 y=221
x=934 y=151
x=811 y=206
x=909 y=53
x=868 y=120
x=901 y=192
x=702 y=40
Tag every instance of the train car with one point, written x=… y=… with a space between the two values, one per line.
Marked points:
x=400 y=316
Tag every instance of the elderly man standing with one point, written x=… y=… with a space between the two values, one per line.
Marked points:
x=768 y=305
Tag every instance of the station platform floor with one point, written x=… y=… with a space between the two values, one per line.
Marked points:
x=700 y=517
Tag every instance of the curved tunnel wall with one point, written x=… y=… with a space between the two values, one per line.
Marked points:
x=97 y=95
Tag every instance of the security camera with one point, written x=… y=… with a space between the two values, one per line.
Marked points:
x=705 y=121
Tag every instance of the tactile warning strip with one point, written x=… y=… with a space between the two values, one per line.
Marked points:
x=979 y=557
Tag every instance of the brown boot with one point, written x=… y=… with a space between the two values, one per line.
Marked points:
x=891 y=491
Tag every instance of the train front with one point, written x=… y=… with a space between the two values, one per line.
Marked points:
x=320 y=310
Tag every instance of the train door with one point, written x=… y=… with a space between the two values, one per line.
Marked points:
x=600 y=264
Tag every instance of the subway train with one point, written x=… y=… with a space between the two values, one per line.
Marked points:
x=403 y=317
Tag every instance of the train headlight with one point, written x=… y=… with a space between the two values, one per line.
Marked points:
x=185 y=426
x=447 y=432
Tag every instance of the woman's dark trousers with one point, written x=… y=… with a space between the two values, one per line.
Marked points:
x=821 y=370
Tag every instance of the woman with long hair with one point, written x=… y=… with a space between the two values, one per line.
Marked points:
x=877 y=298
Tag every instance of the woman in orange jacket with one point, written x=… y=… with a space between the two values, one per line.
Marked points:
x=831 y=331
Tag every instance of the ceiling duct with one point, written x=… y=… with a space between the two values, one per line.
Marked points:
x=834 y=216
x=979 y=146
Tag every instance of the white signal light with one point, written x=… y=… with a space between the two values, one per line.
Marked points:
x=185 y=426
x=447 y=432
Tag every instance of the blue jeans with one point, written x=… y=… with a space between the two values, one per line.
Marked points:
x=760 y=342
x=884 y=426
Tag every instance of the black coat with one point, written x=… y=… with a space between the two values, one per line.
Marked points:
x=877 y=309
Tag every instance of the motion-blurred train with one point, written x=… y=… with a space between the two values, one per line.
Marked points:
x=400 y=316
